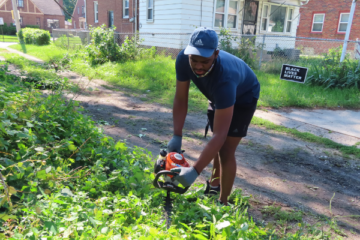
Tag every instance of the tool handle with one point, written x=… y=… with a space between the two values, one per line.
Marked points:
x=174 y=188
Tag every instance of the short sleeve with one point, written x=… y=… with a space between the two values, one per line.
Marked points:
x=181 y=66
x=225 y=95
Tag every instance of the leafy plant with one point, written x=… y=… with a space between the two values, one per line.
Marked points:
x=34 y=36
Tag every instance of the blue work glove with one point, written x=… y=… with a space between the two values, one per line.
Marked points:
x=187 y=175
x=174 y=144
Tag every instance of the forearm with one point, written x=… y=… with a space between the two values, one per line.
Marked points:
x=209 y=152
x=179 y=115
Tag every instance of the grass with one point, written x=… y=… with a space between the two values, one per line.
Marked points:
x=45 y=53
x=7 y=38
x=158 y=76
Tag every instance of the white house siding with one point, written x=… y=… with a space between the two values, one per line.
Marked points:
x=281 y=40
x=174 y=21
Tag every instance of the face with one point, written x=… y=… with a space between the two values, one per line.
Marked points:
x=201 y=65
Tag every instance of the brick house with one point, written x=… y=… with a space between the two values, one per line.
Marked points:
x=45 y=13
x=327 y=19
x=118 y=13
x=79 y=15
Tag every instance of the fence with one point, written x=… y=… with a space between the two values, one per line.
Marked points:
x=259 y=50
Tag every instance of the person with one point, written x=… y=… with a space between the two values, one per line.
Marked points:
x=232 y=89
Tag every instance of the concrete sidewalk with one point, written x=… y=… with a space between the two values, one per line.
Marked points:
x=341 y=126
x=6 y=46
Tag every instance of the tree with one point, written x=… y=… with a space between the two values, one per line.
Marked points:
x=69 y=5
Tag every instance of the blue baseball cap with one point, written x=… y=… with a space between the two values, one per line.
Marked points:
x=203 y=42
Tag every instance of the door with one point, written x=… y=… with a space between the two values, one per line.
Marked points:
x=111 y=19
x=250 y=17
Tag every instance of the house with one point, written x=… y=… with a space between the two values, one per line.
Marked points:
x=47 y=14
x=327 y=19
x=79 y=15
x=168 y=24
x=118 y=13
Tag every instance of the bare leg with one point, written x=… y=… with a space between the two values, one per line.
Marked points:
x=228 y=167
x=215 y=174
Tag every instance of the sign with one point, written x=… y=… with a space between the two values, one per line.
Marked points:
x=1 y=21
x=293 y=73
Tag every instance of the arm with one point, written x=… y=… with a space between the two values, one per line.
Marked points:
x=222 y=121
x=180 y=106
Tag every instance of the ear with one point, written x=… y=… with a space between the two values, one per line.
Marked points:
x=216 y=53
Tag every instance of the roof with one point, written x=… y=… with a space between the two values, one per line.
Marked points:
x=49 y=7
x=2 y=2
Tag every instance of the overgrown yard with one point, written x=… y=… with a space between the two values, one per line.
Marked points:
x=158 y=75
x=75 y=153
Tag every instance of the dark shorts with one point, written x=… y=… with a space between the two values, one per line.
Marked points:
x=241 y=118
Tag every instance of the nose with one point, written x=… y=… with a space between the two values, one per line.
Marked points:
x=198 y=66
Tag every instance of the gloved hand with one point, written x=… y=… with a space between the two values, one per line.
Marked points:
x=174 y=144
x=187 y=175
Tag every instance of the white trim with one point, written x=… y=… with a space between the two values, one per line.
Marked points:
x=226 y=14
x=338 y=29
x=124 y=8
x=322 y=26
x=288 y=8
x=147 y=11
x=96 y=12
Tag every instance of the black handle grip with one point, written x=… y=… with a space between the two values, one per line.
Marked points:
x=172 y=187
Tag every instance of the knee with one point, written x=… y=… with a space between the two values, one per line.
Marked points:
x=226 y=155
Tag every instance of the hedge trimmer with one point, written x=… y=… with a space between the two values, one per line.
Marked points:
x=162 y=168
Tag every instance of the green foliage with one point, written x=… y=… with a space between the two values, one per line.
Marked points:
x=69 y=6
x=104 y=48
x=69 y=42
x=34 y=36
x=61 y=177
x=246 y=48
x=9 y=29
x=33 y=26
x=330 y=73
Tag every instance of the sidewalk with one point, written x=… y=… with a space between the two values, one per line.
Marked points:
x=341 y=126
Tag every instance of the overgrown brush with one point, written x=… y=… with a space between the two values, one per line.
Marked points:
x=104 y=48
x=330 y=73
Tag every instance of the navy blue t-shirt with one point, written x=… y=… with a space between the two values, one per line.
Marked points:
x=230 y=81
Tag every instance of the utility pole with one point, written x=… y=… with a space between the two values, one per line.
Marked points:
x=348 y=29
x=16 y=15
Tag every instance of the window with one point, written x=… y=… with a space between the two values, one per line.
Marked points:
x=276 y=18
x=125 y=8
x=318 y=22
x=82 y=10
x=38 y=22
x=53 y=23
x=20 y=3
x=111 y=19
x=150 y=10
x=226 y=14
x=78 y=10
x=343 y=22
x=96 y=12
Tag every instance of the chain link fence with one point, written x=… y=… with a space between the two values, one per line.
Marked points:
x=259 y=51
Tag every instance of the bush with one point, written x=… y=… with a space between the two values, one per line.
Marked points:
x=246 y=48
x=33 y=26
x=103 y=47
x=34 y=36
x=330 y=73
x=9 y=29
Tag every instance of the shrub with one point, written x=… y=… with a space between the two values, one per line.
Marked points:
x=103 y=47
x=33 y=26
x=246 y=48
x=9 y=29
x=34 y=36
x=330 y=73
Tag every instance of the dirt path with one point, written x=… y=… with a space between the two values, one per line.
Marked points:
x=275 y=168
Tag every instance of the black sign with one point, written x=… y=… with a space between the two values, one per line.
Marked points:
x=293 y=73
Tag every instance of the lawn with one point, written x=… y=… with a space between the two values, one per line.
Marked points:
x=158 y=76
x=7 y=38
